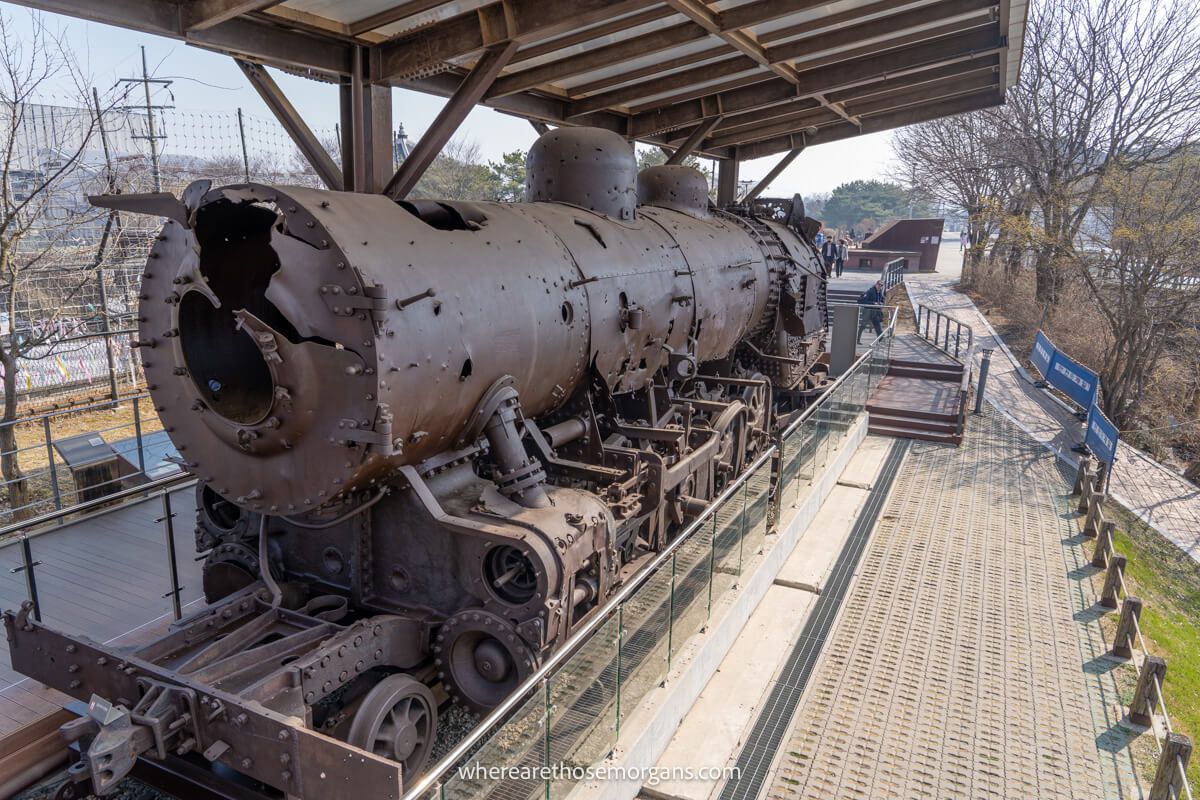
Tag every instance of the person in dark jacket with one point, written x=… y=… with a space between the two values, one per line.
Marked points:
x=872 y=316
x=843 y=253
x=829 y=252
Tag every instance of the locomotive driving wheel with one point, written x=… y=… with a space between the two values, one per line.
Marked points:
x=481 y=659
x=397 y=720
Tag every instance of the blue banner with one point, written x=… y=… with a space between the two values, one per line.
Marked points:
x=1073 y=379
x=1101 y=436
x=1043 y=353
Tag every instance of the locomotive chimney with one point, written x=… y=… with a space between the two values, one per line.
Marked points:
x=588 y=167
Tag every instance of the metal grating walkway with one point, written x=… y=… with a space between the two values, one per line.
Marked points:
x=956 y=669
x=771 y=726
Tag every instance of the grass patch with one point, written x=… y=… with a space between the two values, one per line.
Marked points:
x=1168 y=582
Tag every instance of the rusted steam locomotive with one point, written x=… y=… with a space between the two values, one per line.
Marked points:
x=431 y=438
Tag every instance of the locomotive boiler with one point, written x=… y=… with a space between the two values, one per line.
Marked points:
x=431 y=438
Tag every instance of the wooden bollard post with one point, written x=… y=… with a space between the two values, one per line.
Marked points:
x=1145 y=696
x=1095 y=515
x=1112 y=581
x=1175 y=753
x=1085 y=492
x=1104 y=544
x=1131 y=609
x=1085 y=465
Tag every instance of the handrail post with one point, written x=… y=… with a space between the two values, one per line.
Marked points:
x=137 y=434
x=1131 y=610
x=1104 y=544
x=1145 y=696
x=1095 y=515
x=167 y=519
x=27 y=566
x=1085 y=464
x=1170 y=775
x=53 y=468
x=1112 y=581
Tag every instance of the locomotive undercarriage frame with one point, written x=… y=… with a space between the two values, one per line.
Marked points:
x=277 y=693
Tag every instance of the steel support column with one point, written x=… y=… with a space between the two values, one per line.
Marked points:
x=783 y=164
x=694 y=139
x=469 y=93
x=302 y=135
x=366 y=132
x=727 y=182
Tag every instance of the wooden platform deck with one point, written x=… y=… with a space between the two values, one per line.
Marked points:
x=105 y=577
x=921 y=395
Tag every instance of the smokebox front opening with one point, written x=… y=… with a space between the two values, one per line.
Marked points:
x=237 y=262
x=225 y=364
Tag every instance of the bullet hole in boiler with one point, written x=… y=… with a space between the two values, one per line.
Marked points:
x=465 y=372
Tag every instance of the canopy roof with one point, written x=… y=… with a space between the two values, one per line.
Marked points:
x=744 y=78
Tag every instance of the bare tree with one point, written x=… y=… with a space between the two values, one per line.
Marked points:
x=51 y=240
x=958 y=161
x=1105 y=84
x=1141 y=273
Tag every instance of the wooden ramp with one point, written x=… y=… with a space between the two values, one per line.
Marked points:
x=922 y=395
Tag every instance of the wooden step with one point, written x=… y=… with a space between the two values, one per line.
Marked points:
x=902 y=419
x=921 y=372
x=915 y=433
x=933 y=365
x=900 y=411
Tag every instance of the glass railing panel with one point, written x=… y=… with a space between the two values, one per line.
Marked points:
x=645 y=622
x=693 y=580
x=510 y=764
x=583 y=709
x=758 y=503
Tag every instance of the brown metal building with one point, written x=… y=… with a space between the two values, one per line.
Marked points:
x=731 y=79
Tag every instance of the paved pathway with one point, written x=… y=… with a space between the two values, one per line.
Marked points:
x=1160 y=496
x=960 y=666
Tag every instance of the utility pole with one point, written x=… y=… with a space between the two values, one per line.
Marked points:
x=151 y=134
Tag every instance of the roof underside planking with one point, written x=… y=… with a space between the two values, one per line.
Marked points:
x=771 y=70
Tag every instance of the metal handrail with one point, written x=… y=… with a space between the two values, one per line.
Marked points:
x=91 y=406
x=941 y=333
x=182 y=480
x=578 y=639
x=893 y=275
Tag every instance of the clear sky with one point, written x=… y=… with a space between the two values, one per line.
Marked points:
x=209 y=81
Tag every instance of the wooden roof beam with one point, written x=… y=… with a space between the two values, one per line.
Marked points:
x=874 y=104
x=875 y=124
x=783 y=164
x=391 y=15
x=977 y=43
x=521 y=21
x=745 y=42
x=201 y=15
x=597 y=58
x=741 y=128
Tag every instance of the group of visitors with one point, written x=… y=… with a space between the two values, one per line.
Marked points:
x=834 y=252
